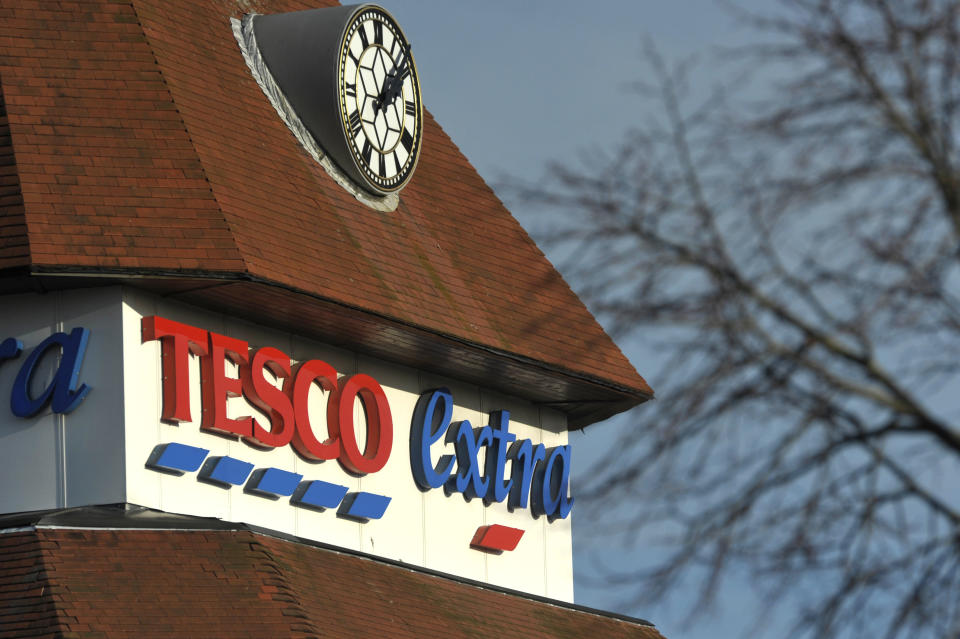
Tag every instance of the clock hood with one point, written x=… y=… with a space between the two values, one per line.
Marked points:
x=301 y=50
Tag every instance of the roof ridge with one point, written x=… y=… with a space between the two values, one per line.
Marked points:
x=286 y=595
x=186 y=130
x=27 y=589
x=11 y=198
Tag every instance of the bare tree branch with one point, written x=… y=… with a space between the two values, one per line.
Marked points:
x=794 y=253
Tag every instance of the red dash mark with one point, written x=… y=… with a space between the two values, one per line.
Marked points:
x=496 y=537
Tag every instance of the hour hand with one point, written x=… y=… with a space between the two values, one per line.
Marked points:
x=394 y=84
x=395 y=87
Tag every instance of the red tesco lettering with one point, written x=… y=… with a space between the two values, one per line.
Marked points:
x=286 y=406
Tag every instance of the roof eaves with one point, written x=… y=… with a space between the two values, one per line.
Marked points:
x=594 y=399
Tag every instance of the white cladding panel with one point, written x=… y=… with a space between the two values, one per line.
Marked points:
x=61 y=460
x=422 y=528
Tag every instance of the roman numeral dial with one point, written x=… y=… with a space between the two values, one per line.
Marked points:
x=380 y=106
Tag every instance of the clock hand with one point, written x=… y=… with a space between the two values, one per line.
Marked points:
x=394 y=84
x=396 y=87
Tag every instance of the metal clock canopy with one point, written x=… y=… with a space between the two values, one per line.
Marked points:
x=305 y=51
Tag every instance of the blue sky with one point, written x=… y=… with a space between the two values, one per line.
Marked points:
x=520 y=84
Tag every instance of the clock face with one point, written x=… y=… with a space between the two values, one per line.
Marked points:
x=379 y=97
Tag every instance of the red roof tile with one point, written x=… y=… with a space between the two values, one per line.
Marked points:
x=14 y=245
x=163 y=583
x=143 y=146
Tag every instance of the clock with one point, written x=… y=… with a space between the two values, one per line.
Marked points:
x=379 y=95
x=344 y=80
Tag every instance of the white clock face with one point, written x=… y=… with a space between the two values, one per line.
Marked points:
x=379 y=100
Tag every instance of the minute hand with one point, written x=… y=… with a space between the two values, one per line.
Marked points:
x=394 y=84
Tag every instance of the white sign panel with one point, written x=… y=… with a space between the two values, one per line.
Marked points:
x=132 y=398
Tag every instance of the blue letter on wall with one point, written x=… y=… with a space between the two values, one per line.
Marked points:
x=497 y=456
x=426 y=429
x=62 y=391
x=10 y=348
x=551 y=484
x=468 y=441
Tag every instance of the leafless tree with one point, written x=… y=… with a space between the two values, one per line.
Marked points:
x=795 y=255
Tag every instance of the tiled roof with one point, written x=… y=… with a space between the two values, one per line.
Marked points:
x=89 y=582
x=143 y=147
x=14 y=249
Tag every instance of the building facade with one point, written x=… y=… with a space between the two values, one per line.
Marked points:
x=222 y=361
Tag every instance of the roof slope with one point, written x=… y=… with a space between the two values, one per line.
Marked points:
x=164 y=583
x=14 y=249
x=143 y=147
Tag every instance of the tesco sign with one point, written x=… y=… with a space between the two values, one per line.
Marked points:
x=286 y=406
x=539 y=477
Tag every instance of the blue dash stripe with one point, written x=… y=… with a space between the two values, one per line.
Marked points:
x=230 y=471
x=322 y=494
x=277 y=482
x=365 y=506
x=180 y=457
